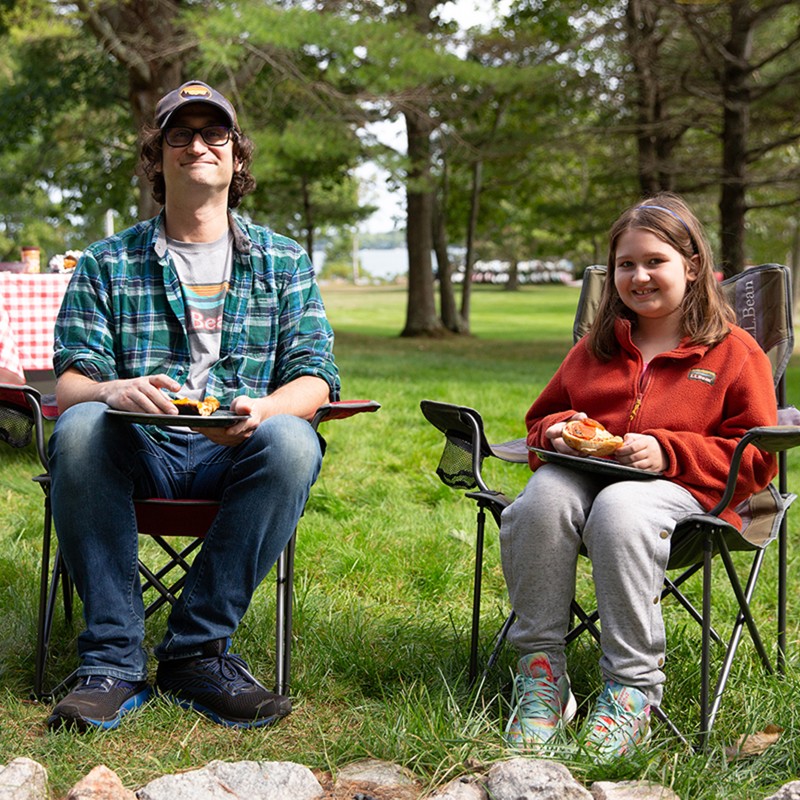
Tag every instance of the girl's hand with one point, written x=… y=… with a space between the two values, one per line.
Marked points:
x=553 y=433
x=642 y=452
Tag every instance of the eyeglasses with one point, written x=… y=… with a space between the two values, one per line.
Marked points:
x=213 y=135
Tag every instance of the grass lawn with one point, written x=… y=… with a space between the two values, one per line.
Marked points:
x=383 y=588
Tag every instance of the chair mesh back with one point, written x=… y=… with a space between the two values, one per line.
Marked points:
x=16 y=425
x=761 y=298
x=455 y=465
x=591 y=288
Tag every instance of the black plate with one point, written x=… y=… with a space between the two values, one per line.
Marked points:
x=602 y=466
x=219 y=419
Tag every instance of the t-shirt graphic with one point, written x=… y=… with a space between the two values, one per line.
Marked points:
x=204 y=269
x=204 y=304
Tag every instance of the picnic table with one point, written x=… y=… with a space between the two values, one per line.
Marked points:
x=31 y=302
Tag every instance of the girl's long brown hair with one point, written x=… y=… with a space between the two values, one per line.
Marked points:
x=706 y=313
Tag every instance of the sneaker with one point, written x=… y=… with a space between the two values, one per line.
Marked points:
x=542 y=704
x=98 y=701
x=219 y=685
x=619 y=723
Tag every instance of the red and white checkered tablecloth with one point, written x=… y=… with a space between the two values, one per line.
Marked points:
x=32 y=302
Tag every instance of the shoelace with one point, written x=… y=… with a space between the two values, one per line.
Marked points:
x=539 y=699
x=232 y=669
x=610 y=715
x=101 y=683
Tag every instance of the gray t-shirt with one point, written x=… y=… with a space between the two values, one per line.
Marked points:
x=204 y=269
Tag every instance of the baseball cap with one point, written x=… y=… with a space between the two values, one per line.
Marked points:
x=192 y=92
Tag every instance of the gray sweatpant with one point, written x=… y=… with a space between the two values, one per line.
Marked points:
x=626 y=528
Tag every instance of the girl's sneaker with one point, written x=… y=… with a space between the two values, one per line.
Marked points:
x=619 y=723
x=542 y=705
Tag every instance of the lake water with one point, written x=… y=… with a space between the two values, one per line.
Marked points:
x=379 y=263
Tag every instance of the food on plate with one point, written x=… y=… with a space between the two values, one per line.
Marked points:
x=589 y=436
x=196 y=408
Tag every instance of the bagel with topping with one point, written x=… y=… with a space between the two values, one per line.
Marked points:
x=196 y=408
x=590 y=437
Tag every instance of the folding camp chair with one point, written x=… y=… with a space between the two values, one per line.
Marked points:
x=761 y=297
x=22 y=414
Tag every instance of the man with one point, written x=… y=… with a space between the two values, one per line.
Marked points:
x=196 y=302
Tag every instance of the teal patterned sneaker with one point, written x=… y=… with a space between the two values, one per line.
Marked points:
x=542 y=704
x=619 y=723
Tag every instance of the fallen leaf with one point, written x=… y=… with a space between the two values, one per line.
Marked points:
x=754 y=744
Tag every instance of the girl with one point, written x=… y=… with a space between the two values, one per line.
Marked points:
x=665 y=367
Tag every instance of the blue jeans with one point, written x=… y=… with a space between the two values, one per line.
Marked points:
x=99 y=464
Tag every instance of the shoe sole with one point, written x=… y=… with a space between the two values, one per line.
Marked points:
x=193 y=705
x=84 y=724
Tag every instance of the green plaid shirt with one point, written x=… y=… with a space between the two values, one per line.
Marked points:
x=123 y=314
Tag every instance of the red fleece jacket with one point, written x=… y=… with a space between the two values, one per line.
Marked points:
x=695 y=400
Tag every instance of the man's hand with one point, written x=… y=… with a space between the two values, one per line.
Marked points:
x=255 y=411
x=142 y=394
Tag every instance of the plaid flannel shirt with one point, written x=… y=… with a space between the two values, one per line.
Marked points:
x=123 y=314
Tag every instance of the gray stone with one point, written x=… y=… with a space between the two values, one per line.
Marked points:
x=100 y=784
x=632 y=790
x=791 y=791
x=530 y=779
x=23 y=779
x=243 y=780
x=373 y=770
x=469 y=787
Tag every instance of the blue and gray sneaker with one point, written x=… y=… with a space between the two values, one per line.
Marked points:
x=98 y=701
x=219 y=685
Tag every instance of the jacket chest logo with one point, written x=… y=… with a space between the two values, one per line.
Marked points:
x=702 y=375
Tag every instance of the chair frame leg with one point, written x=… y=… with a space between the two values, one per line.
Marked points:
x=480 y=533
x=283 y=616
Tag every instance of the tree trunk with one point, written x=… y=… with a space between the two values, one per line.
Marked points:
x=656 y=135
x=145 y=38
x=735 y=130
x=512 y=284
x=447 y=298
x=308 y=219
x=472 y=226
x=421 y=318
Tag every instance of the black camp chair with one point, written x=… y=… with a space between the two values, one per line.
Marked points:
x=22 y=415
x=762 y=299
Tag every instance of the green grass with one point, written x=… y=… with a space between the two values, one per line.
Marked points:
x=383 y=586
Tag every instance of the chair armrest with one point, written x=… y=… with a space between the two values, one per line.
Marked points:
x=341 y=409
x=515 y=451
x=29 y=401
x=775 y=438
x=770 y=438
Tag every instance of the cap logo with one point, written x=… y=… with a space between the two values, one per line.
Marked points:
x=195 y=90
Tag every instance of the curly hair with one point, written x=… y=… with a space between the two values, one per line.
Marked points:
x=151 y=149
x=706 y=314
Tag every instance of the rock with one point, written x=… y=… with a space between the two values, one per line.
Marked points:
x=243 y=780
x=373 y=779
x=100 y=784
x=469 y=787
x=23 y=779
x=791 y=791
x=632 y=790
x=530 y=779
